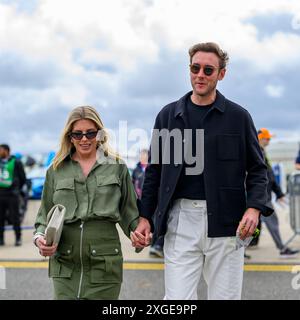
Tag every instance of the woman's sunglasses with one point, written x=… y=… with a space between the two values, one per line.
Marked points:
x=207 y=70
x=78 y=135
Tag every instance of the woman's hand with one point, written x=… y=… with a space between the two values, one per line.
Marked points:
x=141 y=236
x=45 y=251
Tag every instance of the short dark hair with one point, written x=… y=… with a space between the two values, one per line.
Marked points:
x=5 y=146
x=210 y=47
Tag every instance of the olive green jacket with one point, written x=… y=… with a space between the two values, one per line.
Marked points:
x=106 y=193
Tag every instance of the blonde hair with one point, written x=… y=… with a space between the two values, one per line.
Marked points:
x=80 y=113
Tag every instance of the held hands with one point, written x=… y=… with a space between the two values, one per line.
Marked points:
x=248 y=223
x=141 y=236
x=45 y=251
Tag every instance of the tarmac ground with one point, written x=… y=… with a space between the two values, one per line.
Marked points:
x=265 y=253
x=267 y=276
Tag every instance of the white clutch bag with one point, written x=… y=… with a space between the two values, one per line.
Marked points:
x=55 y=219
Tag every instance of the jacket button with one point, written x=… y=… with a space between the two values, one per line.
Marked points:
x=93 y=252
x=159 y=213
x=209 y=214
x=116 y=250
x=68 y=251
x=167 y=189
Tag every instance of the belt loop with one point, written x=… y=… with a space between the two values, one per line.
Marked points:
x=181 y=203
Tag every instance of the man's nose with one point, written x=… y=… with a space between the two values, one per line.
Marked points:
x=201 y=73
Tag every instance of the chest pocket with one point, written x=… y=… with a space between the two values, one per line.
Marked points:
x=107 y=196
x=65 y=194
x=228 y=147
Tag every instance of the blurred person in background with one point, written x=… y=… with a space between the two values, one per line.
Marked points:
x=138 y=176
x=272 y=223
x=25 y=190
x=12 y=179
x=297 y=161
x=138 y=173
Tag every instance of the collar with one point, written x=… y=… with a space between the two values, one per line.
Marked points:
x=219 y=104
x=101 y=158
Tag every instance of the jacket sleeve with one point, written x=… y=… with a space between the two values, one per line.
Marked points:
x=46 y=203
x=128 y=204
x=21 y=173
x=151 y=184
x=297 y=160
x=274 y=185
x=256 y=179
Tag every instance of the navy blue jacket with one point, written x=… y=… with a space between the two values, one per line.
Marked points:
x=298 y=158
x=235 y=175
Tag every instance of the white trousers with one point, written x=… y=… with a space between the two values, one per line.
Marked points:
x=189 y=253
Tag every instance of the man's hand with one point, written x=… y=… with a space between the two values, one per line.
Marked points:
x=248 y=223
x=141 y=236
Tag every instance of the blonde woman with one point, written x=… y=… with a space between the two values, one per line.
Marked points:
x=88 y=178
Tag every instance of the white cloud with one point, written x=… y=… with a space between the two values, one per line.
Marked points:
x=36 y=142
x=123 y=32
x=97 y=46
x=296 y=22
x=274 y=91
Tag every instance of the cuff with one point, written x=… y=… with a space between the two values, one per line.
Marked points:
x=265 y=210
x=37 y=235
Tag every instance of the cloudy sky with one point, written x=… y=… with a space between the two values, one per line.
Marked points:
x=128 y=58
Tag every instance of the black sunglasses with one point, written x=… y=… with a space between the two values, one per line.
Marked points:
x=207 y=70
x=78 y=135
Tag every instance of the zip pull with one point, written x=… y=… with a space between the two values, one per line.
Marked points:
x=81 y=226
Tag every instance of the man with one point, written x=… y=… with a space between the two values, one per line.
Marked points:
x=12 y=178
x=199 y=214
x=297 y=162
x=272 y=223
x=138 y=174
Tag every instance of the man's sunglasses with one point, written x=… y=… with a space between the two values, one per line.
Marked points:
x=207 y=70
x=78 y=135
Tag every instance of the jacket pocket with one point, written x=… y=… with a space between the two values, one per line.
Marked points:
x=106 y=263
x=232 y=205
x=65 y=194
x=107 y=196
x=61 y=264
x=228 y=147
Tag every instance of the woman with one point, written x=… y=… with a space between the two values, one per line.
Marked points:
x=88 y=179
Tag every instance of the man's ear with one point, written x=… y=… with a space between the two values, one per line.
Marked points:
x=221 y=74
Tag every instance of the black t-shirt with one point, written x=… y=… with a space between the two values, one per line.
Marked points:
x=192 y=186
